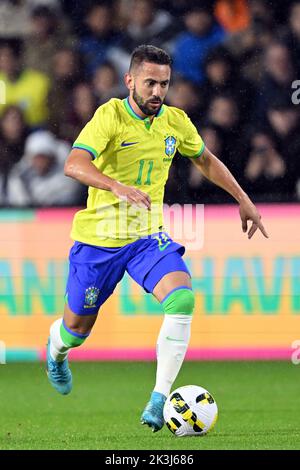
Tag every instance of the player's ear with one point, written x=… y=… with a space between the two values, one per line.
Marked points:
x=129 y=81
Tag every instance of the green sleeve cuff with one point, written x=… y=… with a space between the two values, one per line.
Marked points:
x=198 y=154
x=92 y=152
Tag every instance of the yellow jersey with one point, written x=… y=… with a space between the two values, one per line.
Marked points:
x=29 y=92
x=136 y=152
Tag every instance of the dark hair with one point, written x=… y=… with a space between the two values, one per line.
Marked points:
x=200 y=6
x=14 y=44
x=219 y=54
x=93 y=5
x=148 y=53
x=41 y=11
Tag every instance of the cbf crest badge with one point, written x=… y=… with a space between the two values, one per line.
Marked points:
x=91 y=295
x=170 y=145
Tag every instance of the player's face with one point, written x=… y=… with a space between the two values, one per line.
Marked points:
x=149 y=85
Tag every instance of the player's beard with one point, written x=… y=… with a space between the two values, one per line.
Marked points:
x=143 y=104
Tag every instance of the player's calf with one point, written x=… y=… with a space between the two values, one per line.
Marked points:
x=61 y=340
x=174 y=336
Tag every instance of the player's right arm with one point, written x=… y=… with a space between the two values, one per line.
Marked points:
x=215 y=171
x=80 y=167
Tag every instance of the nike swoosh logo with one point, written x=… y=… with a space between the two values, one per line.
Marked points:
x=174 y=339
x=127 y=144
x=163 y=247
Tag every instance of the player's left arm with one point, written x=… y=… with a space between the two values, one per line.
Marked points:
x=215 y=171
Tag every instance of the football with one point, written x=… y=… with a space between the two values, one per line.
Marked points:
x=190 y=411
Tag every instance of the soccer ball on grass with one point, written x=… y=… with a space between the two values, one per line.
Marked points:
x=190 y=411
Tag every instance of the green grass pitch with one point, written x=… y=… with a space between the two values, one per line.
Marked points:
x=259 y=407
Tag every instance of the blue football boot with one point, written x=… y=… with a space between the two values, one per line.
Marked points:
x=59 y=374
x=153 y=413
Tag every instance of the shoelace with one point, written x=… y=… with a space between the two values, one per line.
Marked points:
x=59 y=370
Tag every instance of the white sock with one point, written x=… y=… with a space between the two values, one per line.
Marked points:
x=172 y=343
x=58 y=349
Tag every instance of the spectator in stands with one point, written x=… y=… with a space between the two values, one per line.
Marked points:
x=47 y=35
x=13 y=133
x=149 y=25
x=191 y=46
x=222 y=77
x=277 y=78
x=267 y=174
x=247 y=46
x=76 y=15
x=100 y=37
x=184 y=94
x=83 y=106
x=284 y=123
x=66 y=74
x=291 y=34
x=233 y=15
x=14 y=18
x=25 y=87
x=38 y=179
x=106 y=84
x=146 y=25
x=281 y=166
x=223 y=114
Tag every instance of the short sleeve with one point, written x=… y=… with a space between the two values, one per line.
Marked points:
x=191 y=145
x=96 y=134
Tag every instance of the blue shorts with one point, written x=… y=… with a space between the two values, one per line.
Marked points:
x=95 y=271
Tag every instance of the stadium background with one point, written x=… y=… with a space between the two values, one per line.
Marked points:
x=234 y=65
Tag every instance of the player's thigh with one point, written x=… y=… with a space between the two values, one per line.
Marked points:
x=93 y=275
x=171 y=281
x=154 y=260
x=169 y=273
x=78 y=323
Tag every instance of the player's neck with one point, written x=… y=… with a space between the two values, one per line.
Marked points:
x=138 y=111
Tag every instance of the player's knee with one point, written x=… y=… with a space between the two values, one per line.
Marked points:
x=78 y=324
x=73 y=337
x=78 y=328
x=181 y=301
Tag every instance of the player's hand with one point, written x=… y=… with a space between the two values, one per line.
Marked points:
x=131 y=195
x=248 y=211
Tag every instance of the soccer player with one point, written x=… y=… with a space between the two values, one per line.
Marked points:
x=123 y=154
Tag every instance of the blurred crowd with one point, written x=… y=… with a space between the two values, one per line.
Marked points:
x=234 y=63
